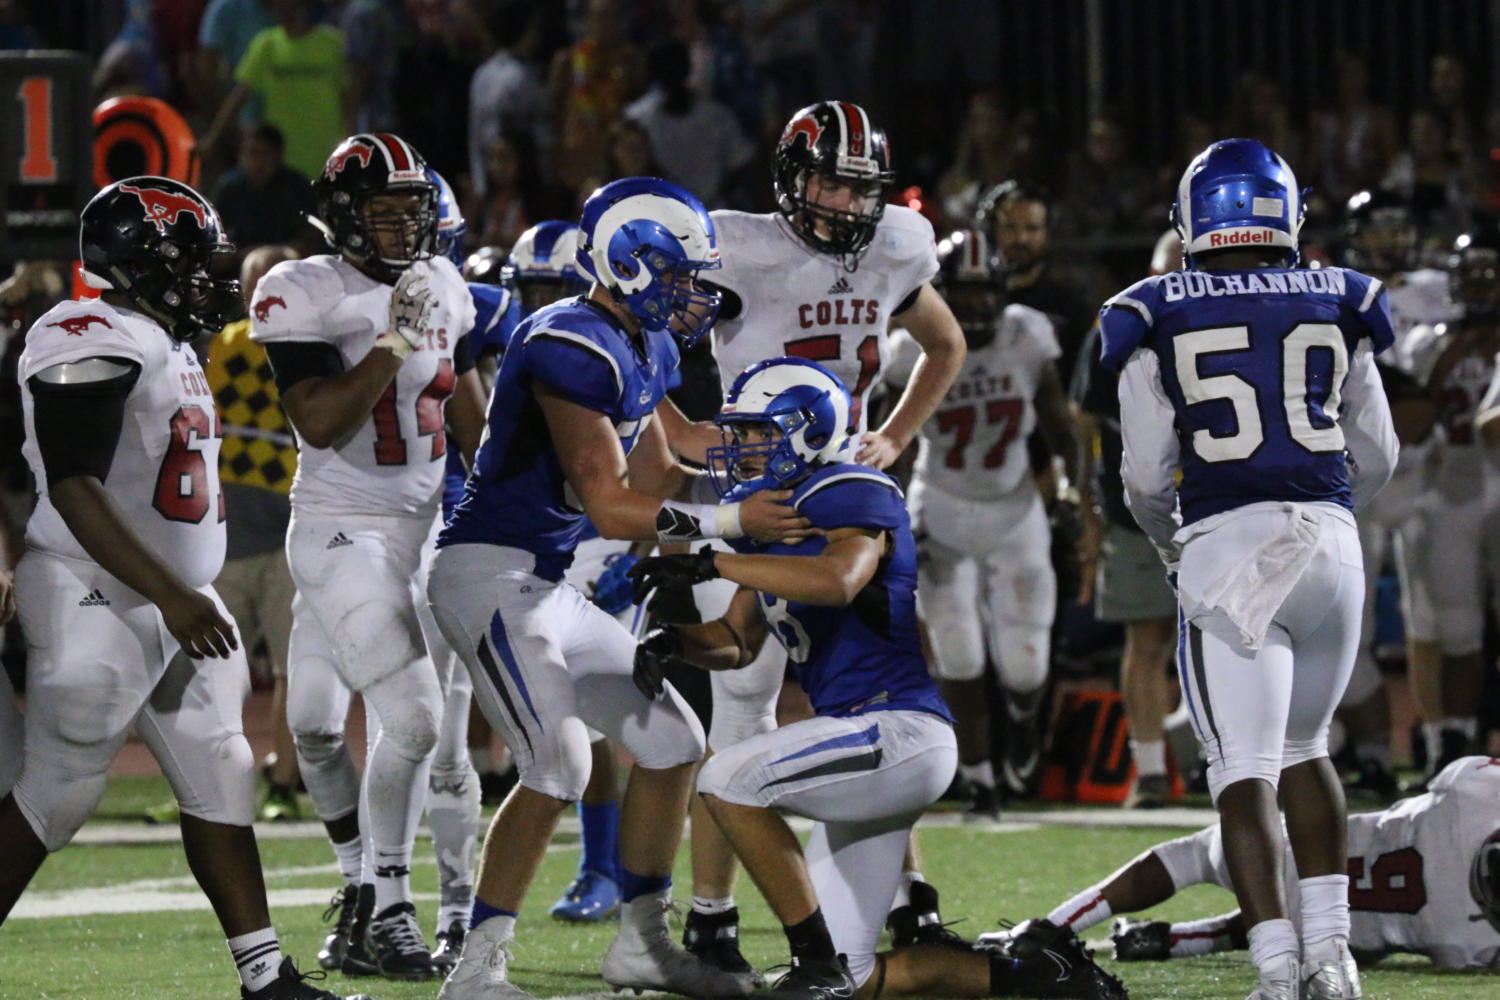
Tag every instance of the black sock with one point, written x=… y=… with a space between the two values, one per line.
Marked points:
x=1002 y=970
x=810 y=940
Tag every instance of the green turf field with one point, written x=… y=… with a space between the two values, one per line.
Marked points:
x=177 y=954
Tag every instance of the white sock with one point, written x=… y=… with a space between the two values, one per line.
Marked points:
x=1325 y=909
x=1272 y=942
x=1083 y=911
x=982 y=773
x=702 y=904
x=257 y=956
x=392 y=876
x=903 y=889
x=1200 y=937
x=350 y=855
x=1150 y=756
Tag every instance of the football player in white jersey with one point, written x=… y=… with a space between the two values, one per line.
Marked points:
x=987 y=583
x=115 y=589
x=366 y=344
x=822 y=278
x=1417 y=873
x=1454 y=542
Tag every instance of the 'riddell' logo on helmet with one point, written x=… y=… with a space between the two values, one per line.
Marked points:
x=1241 y=237
x=263 y=307
x=339 y=160
x=806 y=125
x=165 y=207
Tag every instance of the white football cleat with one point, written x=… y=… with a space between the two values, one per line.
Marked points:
x=1285 y=985
x=643 y=956
x=1330 y=973
x=482 y=969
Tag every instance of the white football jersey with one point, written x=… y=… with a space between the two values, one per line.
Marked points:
x=394 y=462
x=1409 y=869
x=974 y=445
x=165 y=473
x=797 y=301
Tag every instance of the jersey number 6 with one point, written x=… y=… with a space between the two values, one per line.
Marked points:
x=1300 y=341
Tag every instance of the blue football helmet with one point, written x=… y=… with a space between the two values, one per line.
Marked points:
x=451 y=227
x=543 y=265
x=1238 y=193
x=646 y=239
x=804 y=400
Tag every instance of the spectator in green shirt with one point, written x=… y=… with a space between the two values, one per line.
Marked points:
x=297 y=68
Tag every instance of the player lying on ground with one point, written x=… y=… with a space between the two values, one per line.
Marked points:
x=1417 y=872
x=880 y=749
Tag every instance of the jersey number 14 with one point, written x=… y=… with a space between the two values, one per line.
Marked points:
x=1298 y=344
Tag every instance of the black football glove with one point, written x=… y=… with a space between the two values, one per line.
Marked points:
x=672 y=572
x=651 y=655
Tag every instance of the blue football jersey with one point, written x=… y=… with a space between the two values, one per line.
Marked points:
x=1254 y=364
x=867 y=656
x=518 y=496
x=496 y=314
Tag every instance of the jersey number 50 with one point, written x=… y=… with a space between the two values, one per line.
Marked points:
x=1298 y=344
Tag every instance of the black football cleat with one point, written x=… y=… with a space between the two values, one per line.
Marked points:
x=1141 y=940
x=341 y=911
x=984 y=804
x=814 y=981
x=714 y=938
x=920 y=922
x=293 y=985
x=1021 y=768
x=359 y=958
x=396 y=941
x=450 y=944
x=1045 y=960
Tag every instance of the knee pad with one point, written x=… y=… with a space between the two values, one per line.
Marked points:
x=410 y=707
x=725 y=776
x=1294 y=752
x=1222 y=774
x=315 y=750
x=55 y=802
x=559 y=763
x=744 y=701
x=221 y=785
x=1186 y=859
x=1020 y=651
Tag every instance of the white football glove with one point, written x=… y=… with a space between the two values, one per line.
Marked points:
x=412 y=302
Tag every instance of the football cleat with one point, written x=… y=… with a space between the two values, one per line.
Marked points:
x=920 y=922
x=359 y=958
x=1332 y=975
x=293 y=985
x=396 y=941
x=1285 y=986
x=450 y=944
x=643 y=956
x=1050 y=961
x=592 y=897
x=984 y=804
x=280 y=806
x=1141 y=940
x=1022 y=765
x=1150 y=791
x=483 y=969
x=715 y=938
x=341 y=911
x=814 y=981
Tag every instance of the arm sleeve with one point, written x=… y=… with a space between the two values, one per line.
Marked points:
x=78 y=424
x=463 y=358
x=1369 y=434
x=574 y=366
x=1149 y=464
x=294 y=361
x=857 y=498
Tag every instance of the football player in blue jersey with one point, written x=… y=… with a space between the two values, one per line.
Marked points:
x=880 y=748
x=570 y=433
x=1257 y=380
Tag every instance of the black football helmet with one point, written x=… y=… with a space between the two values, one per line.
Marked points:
x=365 y=166
x=487 y=266
x=1484 y=879
x=1474 y=273
x=833 y=139
x=969 y=279
x=1380 y=233
x=154 y=240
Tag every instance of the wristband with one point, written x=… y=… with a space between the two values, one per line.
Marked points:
x=395 y=343
x=688 y=522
